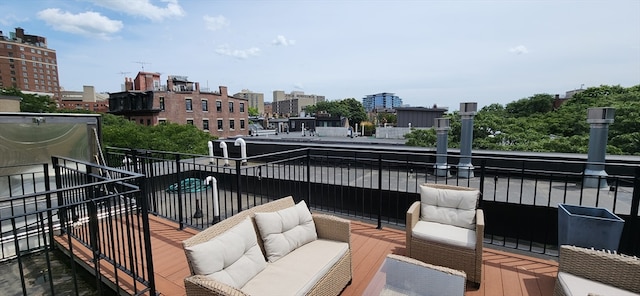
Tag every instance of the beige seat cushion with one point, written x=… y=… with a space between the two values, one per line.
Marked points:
x=575 y=285
x=448 y=206
x=233 y=257
x=299 y=271
x=446 y=234
x=286 y=230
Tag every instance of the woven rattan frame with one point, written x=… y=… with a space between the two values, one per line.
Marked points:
x=467 y=260
x=616 y=270
x=327 y=227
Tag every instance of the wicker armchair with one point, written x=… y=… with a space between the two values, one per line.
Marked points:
x=451 y=231
x=589 y=271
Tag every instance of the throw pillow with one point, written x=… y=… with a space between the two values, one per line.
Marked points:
x=232 y=257
x=451 y=206
x=286 y=230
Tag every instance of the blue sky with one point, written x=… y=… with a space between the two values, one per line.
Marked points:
x=426 y=52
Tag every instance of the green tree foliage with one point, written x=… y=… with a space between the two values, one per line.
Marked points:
x=253 y=111
x=349 y=108
x=531 y=124
x=119 y=132
x=421 y=137
x=30 y=102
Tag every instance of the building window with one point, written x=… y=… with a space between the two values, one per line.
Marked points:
x=162 y=121
x=148 y=121
x=218 y=106
x=230 y=107
x=205 y=124
x=219 y=124
x=241 y=124
x=190 y=121
x=232 y=124
x=141 y=121
x=205 y=105
x=241 y=107
x=162 y=103
x=9 y=46
x=188 y=105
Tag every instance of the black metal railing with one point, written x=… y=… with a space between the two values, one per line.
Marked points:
x=519 y=195
x=93 y=208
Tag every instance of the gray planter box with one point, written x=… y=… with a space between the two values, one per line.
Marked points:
x=588 y=227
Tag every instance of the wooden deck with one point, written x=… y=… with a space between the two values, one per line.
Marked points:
x=504 y=273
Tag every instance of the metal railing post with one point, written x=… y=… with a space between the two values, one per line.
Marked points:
x=239 y=185
x=147 y=235
x=309 y=176
x=379 y=191
x=483 y=165
x=178 y=181
x=62 y=211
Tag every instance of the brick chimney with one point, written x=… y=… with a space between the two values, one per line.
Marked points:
x=223 y=91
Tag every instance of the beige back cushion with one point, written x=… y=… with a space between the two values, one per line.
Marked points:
x=232 y=257
x=449 y=206
x=285 y=230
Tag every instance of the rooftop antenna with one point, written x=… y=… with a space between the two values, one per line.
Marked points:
x=581 y=86
x=142 y=64
x=123 y=73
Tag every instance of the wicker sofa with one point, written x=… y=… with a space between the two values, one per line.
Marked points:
x=589 y=272
x=319 y=267
x=446 y=228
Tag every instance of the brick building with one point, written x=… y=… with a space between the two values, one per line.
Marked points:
x=181 y=101
x=87 y=99
x=28 y=65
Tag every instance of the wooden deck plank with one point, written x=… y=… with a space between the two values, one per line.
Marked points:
x=504 y=272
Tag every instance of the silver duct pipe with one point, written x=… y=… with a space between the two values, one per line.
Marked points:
x=467 y=112
x=442 y=132
x=243 y=150
x=599 y=119
x=225 y=153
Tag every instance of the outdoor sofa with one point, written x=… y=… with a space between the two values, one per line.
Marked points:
x=277 y=248
x=584 y=271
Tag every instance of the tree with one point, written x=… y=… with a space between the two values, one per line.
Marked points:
x=421 y=137
x=253 y=111
x=186 y=138
x=349 y=108
x=30 y=102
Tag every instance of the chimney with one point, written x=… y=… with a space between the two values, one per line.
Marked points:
x=197 y=87
x=20 y=33
x=223 y=91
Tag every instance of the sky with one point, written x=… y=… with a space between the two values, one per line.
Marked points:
x=426 y=52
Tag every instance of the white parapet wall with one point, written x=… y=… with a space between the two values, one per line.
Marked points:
x=332 y=131
x=394 y=132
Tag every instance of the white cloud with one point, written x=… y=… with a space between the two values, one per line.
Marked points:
x=520 y=49
x=143 y=8
x=87 y=23
x=281 y=40
x=298 y=86
x=9 y=19
x=215 y=23
x=237 y=53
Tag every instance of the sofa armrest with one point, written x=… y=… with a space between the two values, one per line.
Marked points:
x=617 y=270
x=413 y=216
x=479 y=227
x=332 y=228
x=197 y=285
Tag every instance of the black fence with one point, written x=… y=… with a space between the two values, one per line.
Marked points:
x=519 y=195
x=92 y=208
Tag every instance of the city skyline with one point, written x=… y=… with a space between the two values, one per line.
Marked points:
x=427 y=52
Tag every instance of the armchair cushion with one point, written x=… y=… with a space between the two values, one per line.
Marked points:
x=286 y=230
x=445 y=234
x=449 y=205
x=575 y=285
x=232 y=258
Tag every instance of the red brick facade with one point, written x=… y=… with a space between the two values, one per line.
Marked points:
x=185 y=107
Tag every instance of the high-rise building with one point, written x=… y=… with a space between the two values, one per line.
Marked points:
x=28 y=65
x=256 y=100
x=294 y=103
x=381 y=100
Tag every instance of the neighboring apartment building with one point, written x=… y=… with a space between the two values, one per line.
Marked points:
x=28 y=65
x=181 y=101
x=87 y=99
x=256 y=100
x=294 y=103
x=418 y=116
x=381 y=100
